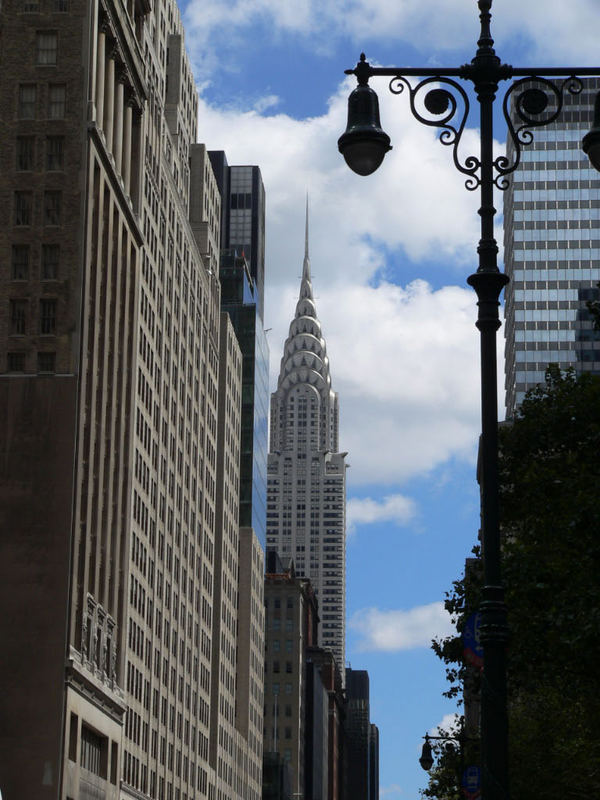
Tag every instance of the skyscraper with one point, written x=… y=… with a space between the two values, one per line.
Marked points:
x=552 y=252
x=129 y=669
x=306 y=475
x=242 y=274
x=362 y=740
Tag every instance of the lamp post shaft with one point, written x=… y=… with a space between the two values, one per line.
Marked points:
x=364 y=145
x=488 y=283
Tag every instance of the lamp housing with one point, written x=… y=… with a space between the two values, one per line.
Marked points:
x=364 y=143
x=591 y=141
x=426 y=760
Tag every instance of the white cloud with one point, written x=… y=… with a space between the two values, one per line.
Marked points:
x=544 y=30
x=447 y=724
x=400 y=630
x=403 y=358
x=394 y=508
x=264 y=103
x=391 y=790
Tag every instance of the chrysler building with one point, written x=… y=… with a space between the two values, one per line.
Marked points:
x=306 y=492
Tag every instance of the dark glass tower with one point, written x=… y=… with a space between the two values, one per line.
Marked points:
x=242 y=276
x=239 y=298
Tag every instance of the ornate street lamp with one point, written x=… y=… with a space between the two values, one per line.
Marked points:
x=537 y=97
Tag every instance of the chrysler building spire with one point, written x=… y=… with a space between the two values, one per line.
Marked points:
x=306 y=491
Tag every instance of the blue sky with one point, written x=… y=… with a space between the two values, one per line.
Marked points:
x=390 y=255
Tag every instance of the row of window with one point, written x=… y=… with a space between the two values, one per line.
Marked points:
x=563 y=234
x=19 y=313
x=25 y=155
x=37 y=6
x=46 y=362
x=21 y=260
x=24 y=208
x=552 y=194
x=555 y=214
x=27 y=101
x=567 y=254
x=552 y=273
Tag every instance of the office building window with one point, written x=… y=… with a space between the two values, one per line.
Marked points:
x=91 y=751
x=20 y=262
x=52 y=207
x=61 y=5
x=54 y=152
x=46 y=362
x=50 y=259
x=23 y=208
x=25 y=153
x=18 y=317
x=48 y=316
x=57 y=94
x=47 y=47
x=16 y=362
x=27 y=100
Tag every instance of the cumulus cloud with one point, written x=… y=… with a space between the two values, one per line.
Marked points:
x=447 y=724
x=394 y=508
x=390 y=791
x=400 y=630
x=403 y=357
x=218 y=31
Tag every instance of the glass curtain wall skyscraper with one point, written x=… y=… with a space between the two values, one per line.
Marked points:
x=552 y=252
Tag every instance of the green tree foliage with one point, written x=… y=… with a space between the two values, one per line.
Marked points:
x=593 y=306
x=550 y=479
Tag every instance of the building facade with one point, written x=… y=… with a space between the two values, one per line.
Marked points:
x=306 y=474
x=120 y=400
x=291 y=624
x=361 y=740
x=242 y=273
x=552 y=252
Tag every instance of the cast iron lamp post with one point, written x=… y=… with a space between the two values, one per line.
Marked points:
x=536 y=101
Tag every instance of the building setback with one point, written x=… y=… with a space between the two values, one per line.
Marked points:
x=552 y=252
x=306 y=474
x=132 y=602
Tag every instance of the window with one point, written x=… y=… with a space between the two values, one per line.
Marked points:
x=25 y=153
x=18 y=316
x=46 y=362
x=27 y=100
x=50 y=259
x=54 y=152
x=23 y=208
x=48 y=316
x=47 y=46
x=52 y=207
x=92 y=746
x=57 y=93
x=20 y=262
x=16 y=362
x=31 y=5
x=61 y=5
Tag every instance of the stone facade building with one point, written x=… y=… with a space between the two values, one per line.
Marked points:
x=121 y=559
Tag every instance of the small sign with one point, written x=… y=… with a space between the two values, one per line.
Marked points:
x=471 y=783
x=472 y=649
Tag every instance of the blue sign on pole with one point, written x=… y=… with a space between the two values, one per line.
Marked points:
x=471 y=783
x=472 y=649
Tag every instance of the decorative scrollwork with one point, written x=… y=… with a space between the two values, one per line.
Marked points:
x=449 y=111
x=536 y=102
